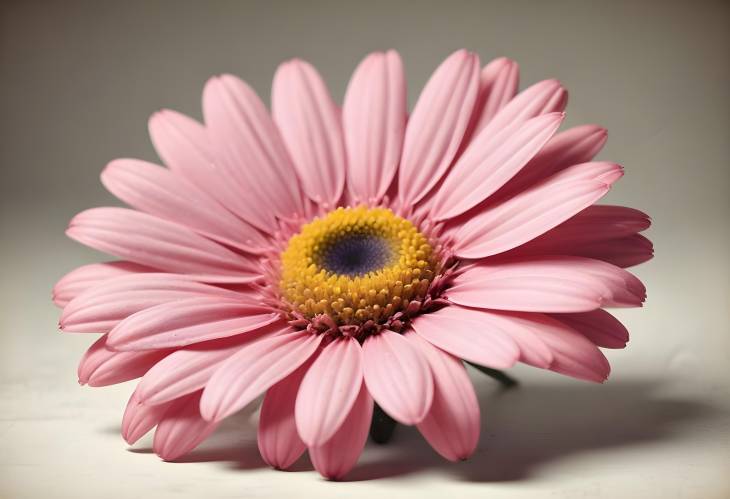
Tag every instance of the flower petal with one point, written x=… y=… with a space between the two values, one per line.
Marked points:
x=310 y=125
x=149 y=240
x=101 y=367
x=599 y=326
x=374 y=120
x=623 y=252
x=251 y=371
x=452 y=424
x=191 y=320
x=249 y=149
x=158 y=191
x=462 y=333
x=328 y=391
x=139 y=418
x=279 y=443
x=546 y=284
x=101 y=307
x=497 y=86
x=82 y=278
x=437 y=125
x=489 y=162
x=338 y=455
x=181 y=429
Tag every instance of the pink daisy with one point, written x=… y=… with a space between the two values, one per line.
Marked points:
x=331 y=259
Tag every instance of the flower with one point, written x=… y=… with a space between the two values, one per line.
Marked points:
x=330 y=258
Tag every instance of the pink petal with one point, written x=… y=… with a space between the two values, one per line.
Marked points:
x=251 y=371
x=101 y=367
x=437 y=125
x=191 y=320
x=151 y=241
x=497 y=86
x=181 y=428
x=139 y=419
x=489 y=162
x=279 y=443
x=571 y=147
x=546 y=284
x=158 y=191
x=462 y=333
x=623 y=252
x=452 y=424
x=103 y=306
x=328 y=391
x=374 y=120
x=397 y=376
x=189 y=369
x=310 y=125
x=82 y=278
x=599 y=326
x=250 y=151
x=527 y=215
x=339 y=454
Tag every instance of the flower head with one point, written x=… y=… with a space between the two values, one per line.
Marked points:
x=332 y=259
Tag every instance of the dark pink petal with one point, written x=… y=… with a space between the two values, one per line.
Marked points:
x=546 y=284
x=139 y=419
x=623 y=252
x=374 y=120
x=80 y=279
x=599 y=326
x=158 y=191
x=452 y=424
x=191 y=320
x=339 y=454
x=251 y=371
x=101 y=307
x=310 y=124
x=181 y=429
x=437 y=125
x=397 y=376
x=462 y=333
x=489 y=162
x=328 y=391
x=279 y=443
x=249 y=150
x=151 y=241
x=101 y=367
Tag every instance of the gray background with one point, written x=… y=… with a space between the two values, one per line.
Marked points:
x=79 y=80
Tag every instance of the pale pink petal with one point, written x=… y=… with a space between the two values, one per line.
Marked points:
x=374 y=120
x=310 y=124
x=139 y=418
x=452 y=424
x=158 y=191
x=571 y=147
x=545 y=284
x=149 y=240
x=189 y=369
x=328 y=391
x=529 y=214
x=489 y=162
x=623 y=252
x=187 y=321
x=82 y=278
x=461 y=332
x=279 y=443
x=599 y=326
x=251 y=371
x=101 y=307
x=339 y=454
x=397 y=376
x=497 y=86
x=250 y=151
x=101 y=367
x=182 y=428
x=437 y=125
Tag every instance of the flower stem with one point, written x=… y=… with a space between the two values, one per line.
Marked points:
x=507 y=381
x=382 y=426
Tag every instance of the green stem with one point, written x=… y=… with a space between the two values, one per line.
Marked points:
x=382 y=426
x=507 y=381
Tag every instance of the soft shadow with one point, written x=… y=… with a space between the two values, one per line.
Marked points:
x=532 y=425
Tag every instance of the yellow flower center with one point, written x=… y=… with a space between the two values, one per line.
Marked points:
x=355 y=265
